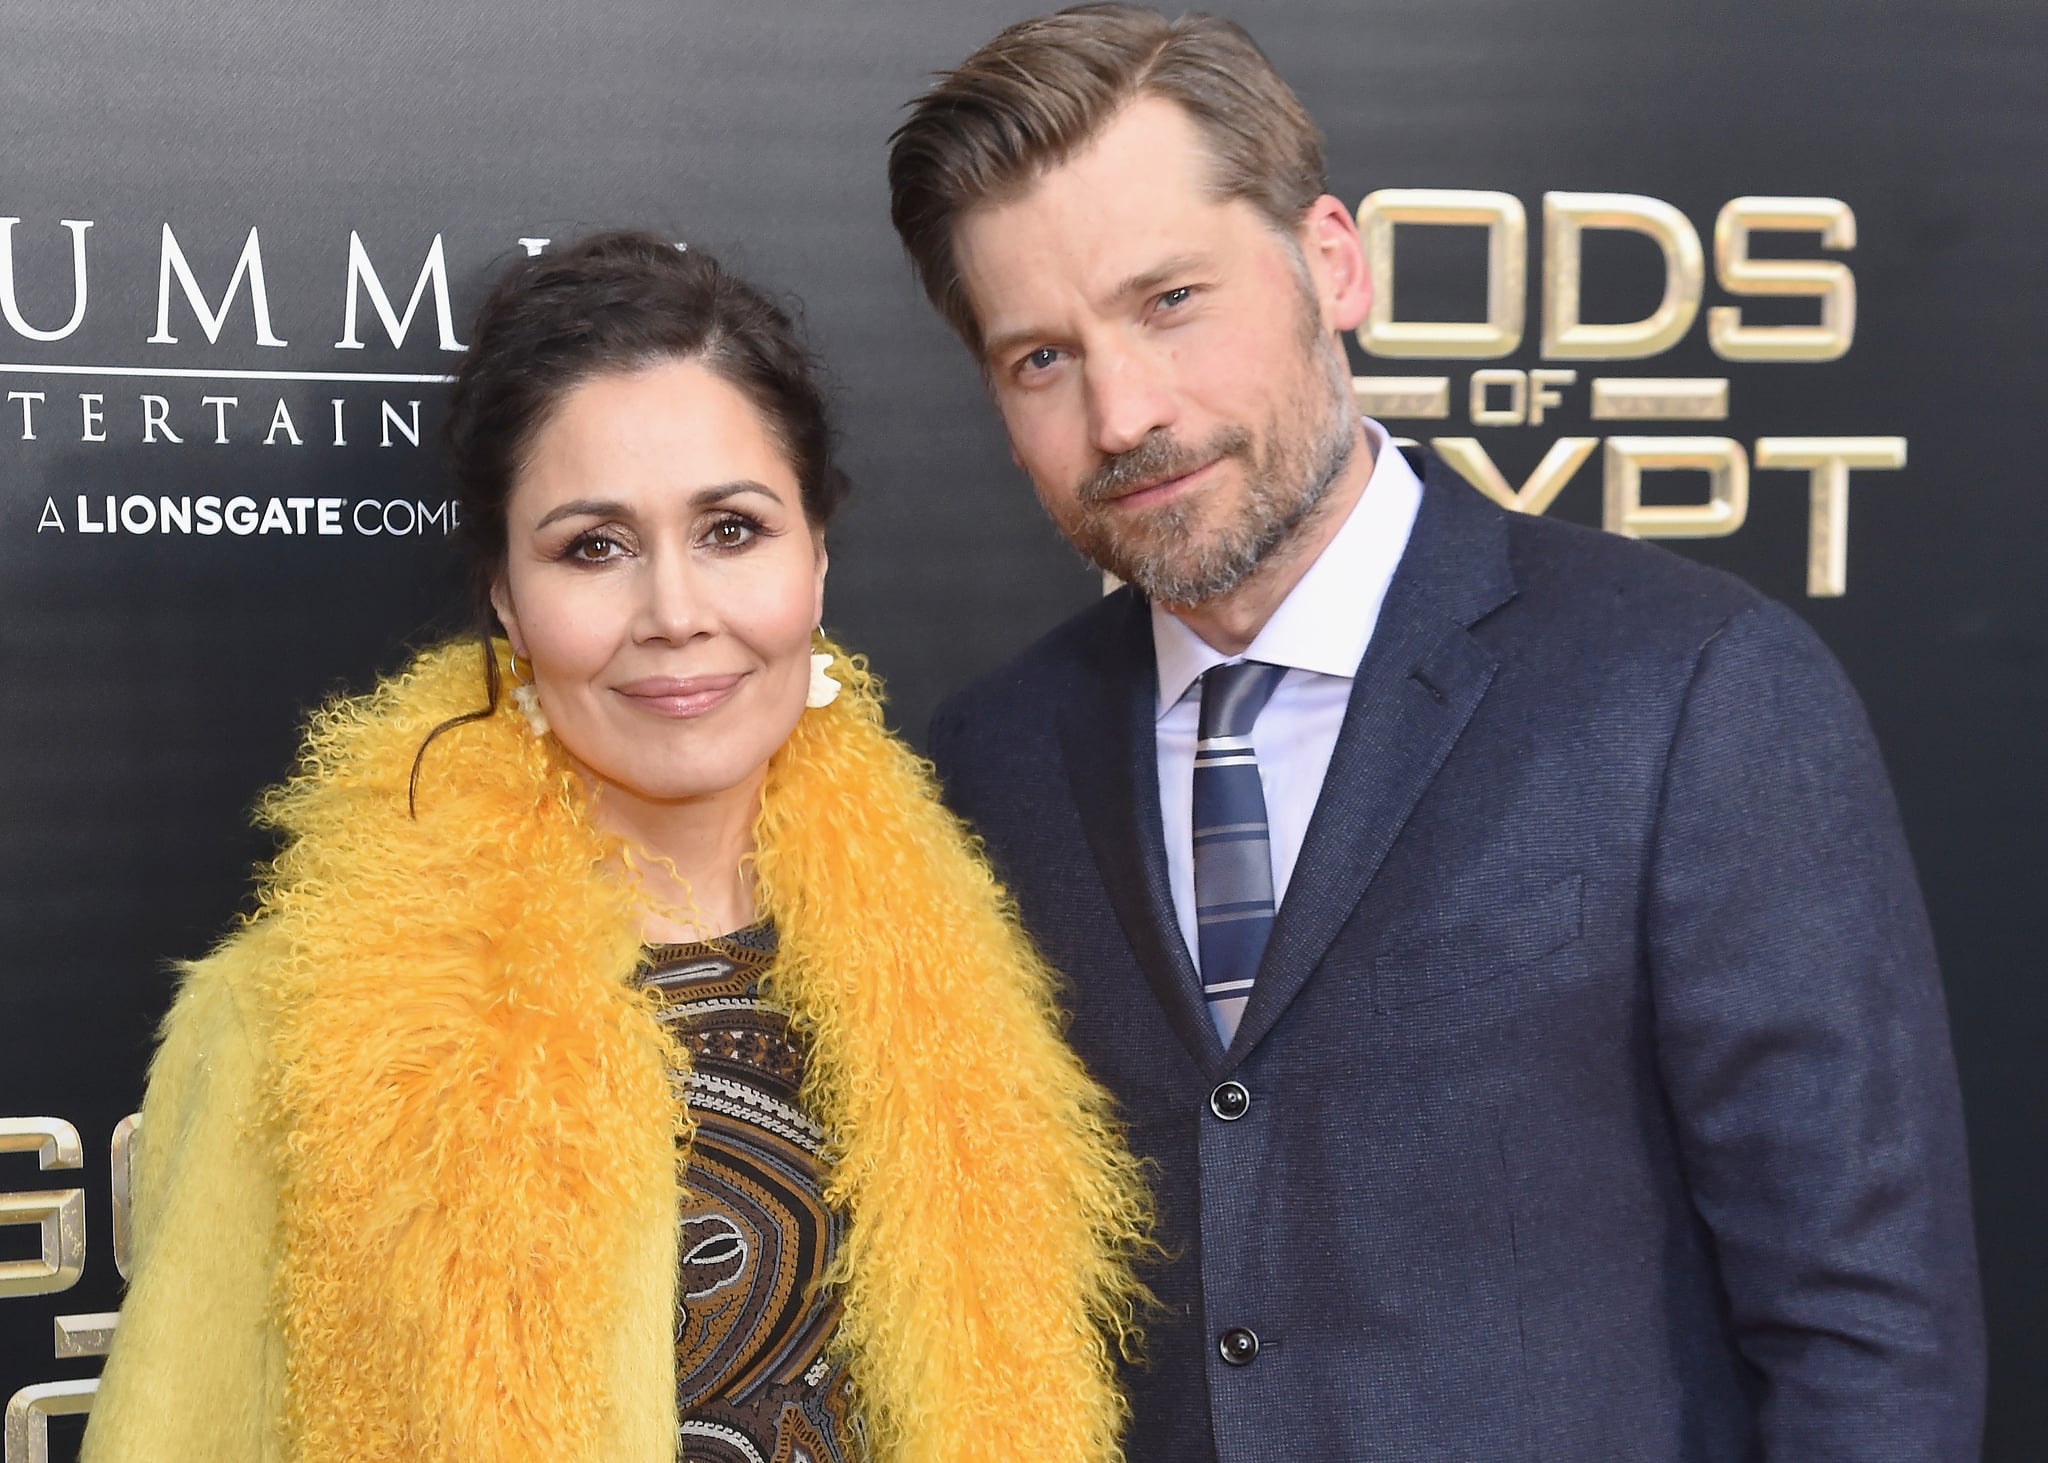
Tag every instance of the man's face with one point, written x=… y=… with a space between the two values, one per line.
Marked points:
x=1162 y=358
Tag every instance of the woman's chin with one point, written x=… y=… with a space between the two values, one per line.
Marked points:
x=702 y=780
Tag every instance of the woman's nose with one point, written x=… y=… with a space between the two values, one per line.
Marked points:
x=672 y=605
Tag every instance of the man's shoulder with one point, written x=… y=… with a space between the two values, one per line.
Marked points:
x=1568 y=576
x=1604 y=614
x=1581 y=607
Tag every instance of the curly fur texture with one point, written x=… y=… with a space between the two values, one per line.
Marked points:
x=478 y=1125
x=994 y=1204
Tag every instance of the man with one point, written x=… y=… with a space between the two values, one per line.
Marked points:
x=1499 y=934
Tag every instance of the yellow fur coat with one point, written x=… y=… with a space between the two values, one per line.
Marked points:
x=407 y=1176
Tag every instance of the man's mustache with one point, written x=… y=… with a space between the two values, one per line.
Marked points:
x=1156 y=459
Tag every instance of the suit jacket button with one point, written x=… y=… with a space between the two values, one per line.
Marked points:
x=1230 y=1102
x=1238 y=1345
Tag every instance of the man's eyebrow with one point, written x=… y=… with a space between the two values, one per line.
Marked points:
x=612 y=508
x=1150 y=281
x=995 y=347
x=1160 y=276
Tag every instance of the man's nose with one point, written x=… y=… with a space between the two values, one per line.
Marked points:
x=1129 y=397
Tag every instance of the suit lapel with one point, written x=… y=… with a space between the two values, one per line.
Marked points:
x=1108 y=737
x=1421 y=680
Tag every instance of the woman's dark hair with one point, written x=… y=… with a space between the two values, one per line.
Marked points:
x=614 y=302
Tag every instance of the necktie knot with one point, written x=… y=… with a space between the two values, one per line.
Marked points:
x=1233 y=696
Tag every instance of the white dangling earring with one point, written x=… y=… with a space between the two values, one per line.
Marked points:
x=824 y=689
x=526 y=696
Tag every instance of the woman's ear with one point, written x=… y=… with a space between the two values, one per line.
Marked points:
x=818 y=607
x=501 y=601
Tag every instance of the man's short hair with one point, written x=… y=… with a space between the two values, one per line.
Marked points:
x=1044 y=88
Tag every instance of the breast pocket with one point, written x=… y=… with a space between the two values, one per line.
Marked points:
x=1473 y=938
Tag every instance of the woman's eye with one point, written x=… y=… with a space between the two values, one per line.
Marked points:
x=731 y=533
x=595 y=548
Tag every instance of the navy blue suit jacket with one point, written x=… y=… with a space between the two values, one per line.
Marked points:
x=1602 y=1104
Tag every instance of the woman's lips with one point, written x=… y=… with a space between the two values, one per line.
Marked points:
x=681 y=697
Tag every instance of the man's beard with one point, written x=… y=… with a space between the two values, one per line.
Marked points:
x=1287 y=477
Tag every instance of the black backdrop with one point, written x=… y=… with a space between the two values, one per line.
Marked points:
x=151 y=678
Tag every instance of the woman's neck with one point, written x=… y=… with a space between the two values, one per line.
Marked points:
x=688 y=858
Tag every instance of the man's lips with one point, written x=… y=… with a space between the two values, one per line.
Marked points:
x=681 y=697
x=1159 y=489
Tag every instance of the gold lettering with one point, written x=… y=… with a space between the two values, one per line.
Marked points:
x=59 y=1214
x=1566 y=217
x=29 y=1412
x=89 y=1334
x=1647 y=398
x=1540 y=395
x=1379 y=397
x=1829 y=280
x=1565 y=457
x=1514 y=413
x=1507 y=272
x=1721 y=458
x=1828 y=460
x=121 y=1158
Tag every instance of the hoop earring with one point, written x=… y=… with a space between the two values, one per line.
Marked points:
x=526 y=696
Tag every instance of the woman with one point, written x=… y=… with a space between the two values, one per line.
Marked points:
x=478 y=1142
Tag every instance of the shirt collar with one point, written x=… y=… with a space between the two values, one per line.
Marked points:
x=1327 y=619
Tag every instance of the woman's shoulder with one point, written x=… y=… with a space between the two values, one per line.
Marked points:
x=227 y=997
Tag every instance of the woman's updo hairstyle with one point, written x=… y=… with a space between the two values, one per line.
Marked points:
x=614 y=303
x=618 y=302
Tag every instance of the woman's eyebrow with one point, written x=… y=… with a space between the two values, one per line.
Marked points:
x=705 y=497
x=581 y=508
x=612 y=508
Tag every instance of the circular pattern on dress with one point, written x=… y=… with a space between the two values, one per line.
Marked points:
x=756 y=1238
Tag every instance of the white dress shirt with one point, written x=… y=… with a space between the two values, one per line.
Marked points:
x=1319 y=632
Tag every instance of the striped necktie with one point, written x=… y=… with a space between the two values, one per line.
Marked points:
x=1233 y=858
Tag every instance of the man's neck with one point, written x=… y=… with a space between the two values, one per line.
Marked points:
x=1230 y=622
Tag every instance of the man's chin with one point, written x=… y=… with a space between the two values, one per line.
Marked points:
x=1180 y=582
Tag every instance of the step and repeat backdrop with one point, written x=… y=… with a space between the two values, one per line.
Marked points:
x=1762 y=280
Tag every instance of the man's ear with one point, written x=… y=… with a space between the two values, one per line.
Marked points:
x=501 y=601
x=1335 y=255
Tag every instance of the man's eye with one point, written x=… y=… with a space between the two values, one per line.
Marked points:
x=1175 y=297
x=1041 y=359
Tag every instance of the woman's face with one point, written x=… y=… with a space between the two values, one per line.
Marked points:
x=663 y=581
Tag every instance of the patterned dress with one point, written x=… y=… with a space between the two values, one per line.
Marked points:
x=755 y=1379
